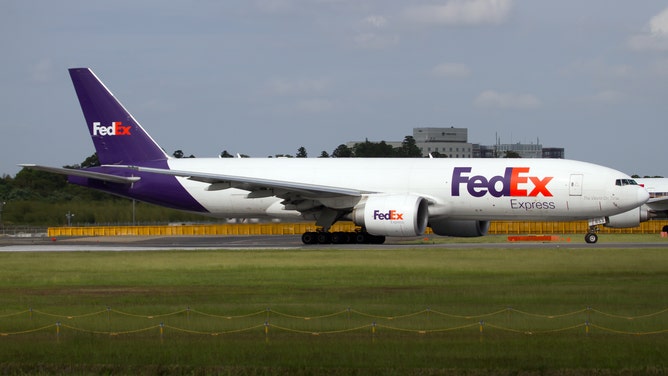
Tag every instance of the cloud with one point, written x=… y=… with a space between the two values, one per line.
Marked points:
x=453 y=70
x=658 y=25
x=644 y=42
x=282 y=86
x=656 y=36
x=375 y=41
x=598 y=68
x=372 y=34
x=304 y=94
x=376 y=21
x=461 y=12
x=274 y=6
x=607 y=96
x=494 y=99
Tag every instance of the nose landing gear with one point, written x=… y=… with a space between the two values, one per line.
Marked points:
x=591 y=236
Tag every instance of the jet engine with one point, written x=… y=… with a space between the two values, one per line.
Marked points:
x=459 y=227
x=392 y=215
x=631 y=218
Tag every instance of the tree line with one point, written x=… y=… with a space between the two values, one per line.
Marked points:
x=366 y=149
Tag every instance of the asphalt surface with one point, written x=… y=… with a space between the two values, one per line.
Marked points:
x=146 y=243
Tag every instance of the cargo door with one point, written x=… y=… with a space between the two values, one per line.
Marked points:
x=575 y=186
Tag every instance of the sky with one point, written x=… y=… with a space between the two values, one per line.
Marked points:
x=266 y=77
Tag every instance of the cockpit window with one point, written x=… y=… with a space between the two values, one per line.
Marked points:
x=622 y=182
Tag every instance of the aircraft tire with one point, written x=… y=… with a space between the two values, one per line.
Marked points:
x=376 y=239
x=309 y=238
x=340 y=237
x=323 y=237
x=591 y=238
x=361 y=237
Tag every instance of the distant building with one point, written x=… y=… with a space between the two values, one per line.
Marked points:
x=524 y=150
x=484 y=151
x=453 y=143
x=556 y=153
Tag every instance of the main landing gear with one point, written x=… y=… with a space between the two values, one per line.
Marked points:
x=326 y=218
x=339 y=237
x=591 y=236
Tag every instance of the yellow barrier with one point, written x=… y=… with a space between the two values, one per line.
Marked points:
x=579 y=227
x=498 y=228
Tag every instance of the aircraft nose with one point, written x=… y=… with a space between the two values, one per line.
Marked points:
x=643 y=195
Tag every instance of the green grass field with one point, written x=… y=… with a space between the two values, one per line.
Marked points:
x=259 y=312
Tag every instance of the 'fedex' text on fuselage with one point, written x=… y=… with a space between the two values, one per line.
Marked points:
x=515 y=182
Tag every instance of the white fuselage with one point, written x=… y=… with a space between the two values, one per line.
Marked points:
x=480 y=189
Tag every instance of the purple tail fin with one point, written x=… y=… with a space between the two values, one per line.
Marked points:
x=118 y=137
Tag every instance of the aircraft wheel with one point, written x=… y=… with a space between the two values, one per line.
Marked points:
x=376 y=239
x=309 y=238
x=323 y=237
x=591 y=238
x=361 y=237
x=340 y=237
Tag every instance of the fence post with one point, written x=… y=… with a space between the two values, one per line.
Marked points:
x=509 y=314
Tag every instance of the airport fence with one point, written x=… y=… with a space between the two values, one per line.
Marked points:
x=189 y=321
x=280 y=228
x=23 y=231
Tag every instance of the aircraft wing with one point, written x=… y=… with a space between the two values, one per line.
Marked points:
x=84 y=173
x=255 y=185
x=658 y=193
x=658 y=203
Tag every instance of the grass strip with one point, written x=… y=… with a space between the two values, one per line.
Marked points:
x=409 y=294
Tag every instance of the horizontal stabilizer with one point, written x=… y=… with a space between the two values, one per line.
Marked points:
x=84 y=173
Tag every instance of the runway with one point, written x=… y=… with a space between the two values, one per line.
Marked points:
x=292 y=242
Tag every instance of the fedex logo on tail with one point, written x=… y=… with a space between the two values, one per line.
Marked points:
x=115 y=129
x=515 y=182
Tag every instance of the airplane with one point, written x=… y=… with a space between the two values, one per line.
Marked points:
x=384 y=197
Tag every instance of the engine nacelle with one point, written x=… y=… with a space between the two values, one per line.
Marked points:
x=459 y=227
x=392 y=215
x=631 y=218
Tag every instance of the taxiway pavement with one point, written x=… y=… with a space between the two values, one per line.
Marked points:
x=152 y=243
